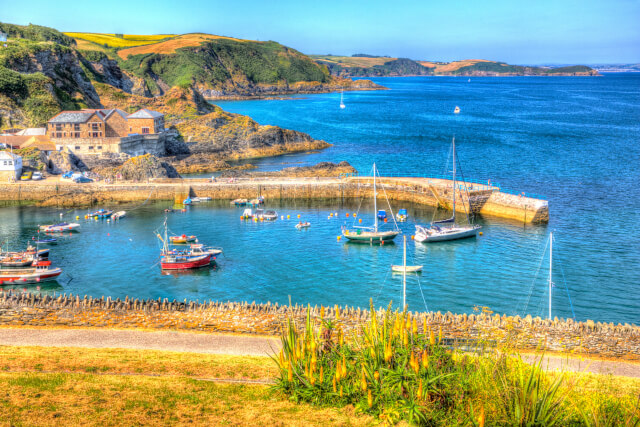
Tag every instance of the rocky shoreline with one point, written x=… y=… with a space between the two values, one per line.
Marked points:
x=480 y=329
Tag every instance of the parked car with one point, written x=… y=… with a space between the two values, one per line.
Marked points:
x=26 y=176
x=37 y=176
x=82 y=179
x=67 y=175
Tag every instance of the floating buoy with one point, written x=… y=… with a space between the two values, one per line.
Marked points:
x=385 y=220
x=298 y=215
x=77 y=217
x=288 y=216
x=481 y=233
x=281 y=216
x=336 y=213
x=241 y=217
x=381 y=242
x=339 y=237
x=347 y=214
x=108 y=234
x=355 y=214
x=413 y=237
x=360 y=220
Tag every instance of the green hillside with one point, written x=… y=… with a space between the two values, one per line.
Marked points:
x=362 y=65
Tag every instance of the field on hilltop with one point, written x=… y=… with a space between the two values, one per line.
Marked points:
x=172 y=44
x=111 y=40
x=353 y=61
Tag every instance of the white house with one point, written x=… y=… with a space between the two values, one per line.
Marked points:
x=10 y=166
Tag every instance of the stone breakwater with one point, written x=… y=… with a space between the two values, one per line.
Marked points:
x=482 y=199
x=522 y=333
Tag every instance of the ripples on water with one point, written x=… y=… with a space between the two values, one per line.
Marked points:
x=574 y=140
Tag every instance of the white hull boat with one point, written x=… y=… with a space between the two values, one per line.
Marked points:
x=437 y=234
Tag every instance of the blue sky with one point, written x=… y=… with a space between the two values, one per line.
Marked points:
x=533 y=32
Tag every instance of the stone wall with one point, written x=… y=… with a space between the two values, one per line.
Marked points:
x=432 y=194
x=590 y=338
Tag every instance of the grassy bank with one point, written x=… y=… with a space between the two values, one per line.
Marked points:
x=46 y=386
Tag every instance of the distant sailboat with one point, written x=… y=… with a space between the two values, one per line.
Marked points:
x=456 y=110
x=469 y=81
x=342 y=106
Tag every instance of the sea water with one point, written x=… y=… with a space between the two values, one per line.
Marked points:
x=574 y=140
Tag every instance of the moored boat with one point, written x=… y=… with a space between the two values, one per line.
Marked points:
x=373 y=234
x=447 y=229
x=402 y=215
x=239 y=202
x=47 y=241
x=101 y=213
x=171 y=259
x=302 y=225
x=60 y=227
x=183 y=239
x=118 y=215
x=40 y=271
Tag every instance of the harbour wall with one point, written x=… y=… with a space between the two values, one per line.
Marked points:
x=521 y=333
x=483 y=200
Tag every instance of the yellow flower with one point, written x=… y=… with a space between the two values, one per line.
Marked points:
x=322 y=311
x=363 y=380
x=376 y=375
x=370 y=398
x=440 y=335
x=340 y=391
x=290 y=373
x=481 y=417
x=321 y=375
x=415 y=326
x=335 y=390
x=432 y=338
x=420 y=389
x=405 y=338
x=425 y=360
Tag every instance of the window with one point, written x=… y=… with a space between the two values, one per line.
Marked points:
x=58 y=126
x=99 y=147
x=77 y=148
x=95 y=134
x=91 y=147
x=145 y=130
x=95 y=126
x=76 y=127
x=76 y=134
x=130 y=129
x=58 y=134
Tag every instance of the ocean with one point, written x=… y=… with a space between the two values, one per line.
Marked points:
x=574 y=140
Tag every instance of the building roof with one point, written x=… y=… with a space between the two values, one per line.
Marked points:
x=14 y=140
x=108 y=113
x=33 y=131
x=36 y=141
x=144 y=113
x=72 y=116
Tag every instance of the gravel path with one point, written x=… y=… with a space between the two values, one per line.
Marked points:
x=237 y=345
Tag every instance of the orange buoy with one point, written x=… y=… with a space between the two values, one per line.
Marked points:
x=413 y=237
x=360 y=220
x=481 y=233
x=347 y=214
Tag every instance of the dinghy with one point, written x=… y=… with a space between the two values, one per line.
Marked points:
x=302 y=225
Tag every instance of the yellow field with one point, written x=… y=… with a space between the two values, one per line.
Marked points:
x=451 y=66
x=128 y=40
x=350 y=61
x=170 y=46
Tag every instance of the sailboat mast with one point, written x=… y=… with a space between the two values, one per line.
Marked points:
x=375 y=200
x=404 y=275
x=550 y=270
x=454 y=179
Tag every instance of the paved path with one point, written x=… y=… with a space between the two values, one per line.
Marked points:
x=141 y=340
x=236 y=345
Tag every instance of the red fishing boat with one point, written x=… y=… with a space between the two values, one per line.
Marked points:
x=172 y=259
x=40 y=271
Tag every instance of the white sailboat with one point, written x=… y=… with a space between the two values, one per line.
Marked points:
x=372 y=234
x=342 y=106
x=447 y=229
x=404 y=269
x=456 y=110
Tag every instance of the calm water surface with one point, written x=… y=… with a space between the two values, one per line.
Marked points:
x=575 y=140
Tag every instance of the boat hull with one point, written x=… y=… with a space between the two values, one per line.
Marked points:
x=185 y=263
x=371 y=237
x=408 y=268
x=448 y=234
x=31 y=276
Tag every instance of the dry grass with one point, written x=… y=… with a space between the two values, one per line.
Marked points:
x=451 y=66
x=72 y=399
x=121 y=361
x=170 y=46
x=76 y=386
x=128 y=40
x=351 y=61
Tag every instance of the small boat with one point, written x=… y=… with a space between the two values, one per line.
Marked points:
x=101 y=213
x=50 y=241
x=449 y=229
x=270 y=216
x=16 y=261
x=59 y=228
x=200 y=199
x=406 y=268
x=382 y=214
x=187 y=201
x=171 y=259
x=256 y=202
x=200 y=249
x=40 y=271
x=181 y=240
x=239 y=202
x=302 y=225
x=402 y=215
x=372 y=234
x=248 y=213
x=456 y=110
x=118 y=215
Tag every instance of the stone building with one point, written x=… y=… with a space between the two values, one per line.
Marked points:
x=95 y=132
x=10 y=166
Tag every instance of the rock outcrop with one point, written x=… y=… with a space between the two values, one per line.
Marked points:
x=322 y=169
x=145 y=167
